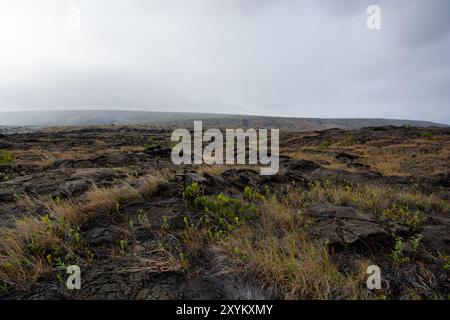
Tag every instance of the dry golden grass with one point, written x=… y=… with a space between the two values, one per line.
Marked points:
x=151 y=183
x=273 y=250
x=418 y=155
x=107 y=199
x=33 y=157
x=69 y=210
x=158 y=260
x=297 y=267
x=375 y=199
x=277 y=252
x=33 y=249
x=38 y=245
x=426 y=156
x=386 y=160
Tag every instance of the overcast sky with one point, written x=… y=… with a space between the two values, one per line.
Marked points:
x=306 y=58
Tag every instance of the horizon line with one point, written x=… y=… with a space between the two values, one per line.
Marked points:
x=224 y=114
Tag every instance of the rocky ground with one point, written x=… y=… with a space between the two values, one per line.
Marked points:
x=109 y=200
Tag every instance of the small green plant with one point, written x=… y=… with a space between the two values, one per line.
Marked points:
x=4 y=176
x=238 y=252
x=250 y=194
x=149 y=143
x=165 y=223
x=131 y=224
x=57 y=201
x=267 y=192
x=6 y=158
x=397 y=254
x=192 y=191
x=446 y=260
x=3 y=288
x=142 y=218
x=349 y=139
x=189 y=226
x=224 y=213
x=60 y=263
x=403 y=214
x=123 y=244
x=183 y=261
x=415 y=242
x=49 y=224
x=426 y=134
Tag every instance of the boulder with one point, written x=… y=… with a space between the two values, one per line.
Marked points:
x=158 y=151
x=348 y=228
x=76 y=187
x=98 y=236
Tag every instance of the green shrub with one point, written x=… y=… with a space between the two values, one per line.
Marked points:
x=403 y=214
x=6 y=158
x=223 y=212
x=415 y=242
x=149 y=143
x=192 y=191
x=397 y=254
x=426 y=134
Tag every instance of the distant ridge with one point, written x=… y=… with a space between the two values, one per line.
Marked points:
x=106 y=117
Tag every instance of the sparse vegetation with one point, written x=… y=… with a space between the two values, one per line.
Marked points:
x=106 y=199
x=37 y=246
x=6 y=158
x=149 y=143
x=293 y=265
x=191 y=191
x=296 y=235
x=267 y=242
x=402 y=214
x=426 y=134
x=123 y=243
x=398 y=254
x=151 y=183
x=396 y=205
x=224 y=213
x=143 y=219
x=415 y=242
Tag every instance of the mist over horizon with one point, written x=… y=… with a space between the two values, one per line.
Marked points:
x=313 y=59
x=47 y=112
x=186 y=119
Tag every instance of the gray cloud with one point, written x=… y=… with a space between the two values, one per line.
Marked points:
x=275 y=57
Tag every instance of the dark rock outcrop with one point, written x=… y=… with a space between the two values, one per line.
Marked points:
x=348 y=228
